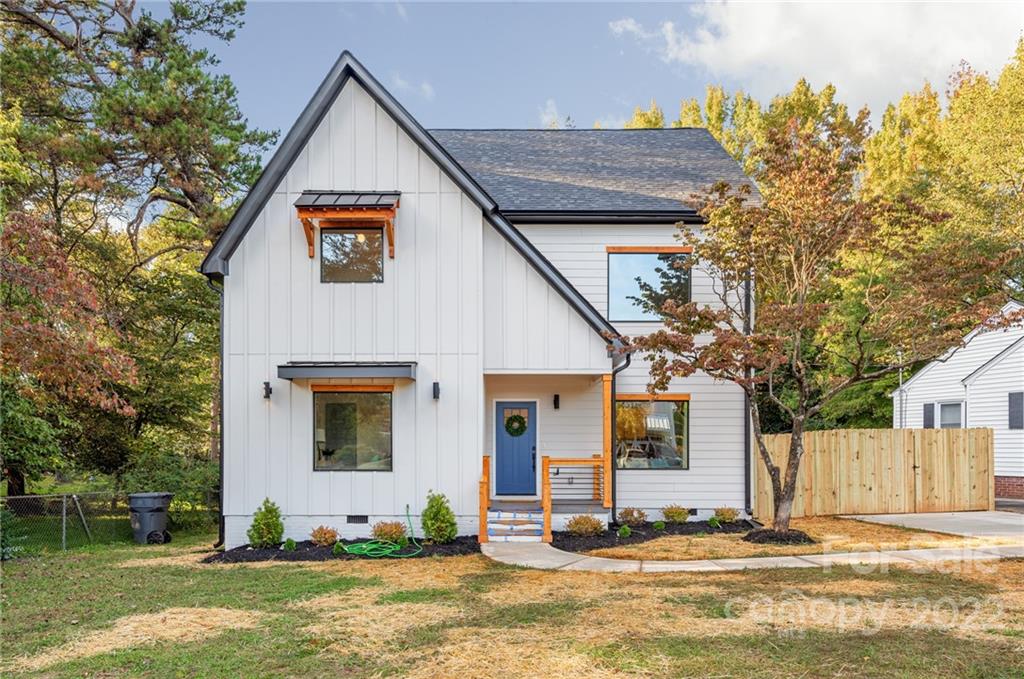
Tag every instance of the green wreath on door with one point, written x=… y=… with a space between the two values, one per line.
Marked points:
x=515 y=425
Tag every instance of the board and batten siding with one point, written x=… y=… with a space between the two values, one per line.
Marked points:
x=717 y=409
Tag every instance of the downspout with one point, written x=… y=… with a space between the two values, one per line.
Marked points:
x=615 y=466
x=747 y=452
x=220 y=417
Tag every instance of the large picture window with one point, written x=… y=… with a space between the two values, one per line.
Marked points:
x=351 y=255
x=351 y=431
x=652 y=434
x=639 y=282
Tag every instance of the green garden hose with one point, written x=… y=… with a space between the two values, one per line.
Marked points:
x=376 y=549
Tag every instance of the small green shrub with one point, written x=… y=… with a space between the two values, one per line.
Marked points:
x=675 y=514
x=289 y=545
x=390 y=531
x=338 y=549
x=727 y=514
x=624 y=531
x=632 y=516
x=659 y=525
x=584 y=525
x=267 y=528
x=438 y=519
x=715 y=522
x=322 y=536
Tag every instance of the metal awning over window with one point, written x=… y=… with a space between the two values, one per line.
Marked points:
x=295 y=370
x=348 y=208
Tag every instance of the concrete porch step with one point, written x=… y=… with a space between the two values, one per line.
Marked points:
x=526 y=514
x=494 y=535
x=515 y=525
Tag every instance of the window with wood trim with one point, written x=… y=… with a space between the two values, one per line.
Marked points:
x=652 y=434
x=351 y=430
x=642 y=279
x=352 y=255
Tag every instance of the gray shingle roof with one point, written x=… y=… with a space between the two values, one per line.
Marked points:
x=347 y=199
x=592 y=170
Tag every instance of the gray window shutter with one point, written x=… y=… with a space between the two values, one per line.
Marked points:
x=1016 y=409
x=929 y=416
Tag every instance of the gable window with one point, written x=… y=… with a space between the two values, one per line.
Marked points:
x=352 y=430
x=652 y=433
x=352 y=255
x=949 y=416
x=641 y=279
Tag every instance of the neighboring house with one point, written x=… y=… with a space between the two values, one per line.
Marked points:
x=407 y=311
x=978 y=384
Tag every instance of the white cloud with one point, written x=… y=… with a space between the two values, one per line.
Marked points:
x=424 y=89
x=871 y=52
x=549 y=114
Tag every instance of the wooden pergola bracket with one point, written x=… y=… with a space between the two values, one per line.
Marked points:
x=312 y=217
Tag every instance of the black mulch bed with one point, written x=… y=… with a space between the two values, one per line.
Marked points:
x=767 y=536
x=307 y=551
x=573 y=543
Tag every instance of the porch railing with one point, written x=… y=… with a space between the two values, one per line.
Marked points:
x=571 y=478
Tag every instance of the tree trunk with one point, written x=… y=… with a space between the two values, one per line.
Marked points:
x=784 y=500
x=15 y=481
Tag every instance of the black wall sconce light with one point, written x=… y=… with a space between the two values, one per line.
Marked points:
x=557 y=401
x=437 y=390
x=267 y=390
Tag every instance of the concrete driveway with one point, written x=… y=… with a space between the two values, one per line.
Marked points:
x=972 y=524
x=1009 y=505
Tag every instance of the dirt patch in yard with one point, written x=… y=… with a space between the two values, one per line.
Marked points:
x=831 y=534
x=174 y=625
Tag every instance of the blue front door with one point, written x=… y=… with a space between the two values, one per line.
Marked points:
x=516 y=447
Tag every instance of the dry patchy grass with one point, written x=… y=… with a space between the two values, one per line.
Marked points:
x=833 y=534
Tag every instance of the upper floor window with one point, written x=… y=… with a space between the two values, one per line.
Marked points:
x=352 y=255
x=641 y=279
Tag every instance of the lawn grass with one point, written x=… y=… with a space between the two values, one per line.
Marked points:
x=833 y=534
x=468 y=616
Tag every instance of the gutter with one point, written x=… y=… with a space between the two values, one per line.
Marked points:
x=602 y=216
x=615 y=467
x=220 y=416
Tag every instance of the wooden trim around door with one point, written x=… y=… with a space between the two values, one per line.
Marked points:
x=650 y=249
x=354 y=388
x=652 y=397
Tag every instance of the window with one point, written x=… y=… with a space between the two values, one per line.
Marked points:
x=652 y=434
x=352 y=431
x=1016 y=407
x=639 y=282
x=929 y=416
x=949 y=415
x=351 y=255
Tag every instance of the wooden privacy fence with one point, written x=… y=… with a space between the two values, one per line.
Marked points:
x=883 y=471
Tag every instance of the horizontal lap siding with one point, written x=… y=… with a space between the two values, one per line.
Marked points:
x=428 y=310
x=717 y=410
x=988 y=406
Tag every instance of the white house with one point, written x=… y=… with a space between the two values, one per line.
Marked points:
x=406 y=311
x=977 y=384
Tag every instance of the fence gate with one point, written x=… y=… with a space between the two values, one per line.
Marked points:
x=883 y=471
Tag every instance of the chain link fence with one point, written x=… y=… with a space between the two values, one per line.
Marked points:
x=35 y=523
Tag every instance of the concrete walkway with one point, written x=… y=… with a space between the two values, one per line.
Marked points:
x=969 y=524
x=544 y=556
x=1010 y=505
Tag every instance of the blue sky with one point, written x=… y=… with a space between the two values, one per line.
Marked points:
x=519 y=65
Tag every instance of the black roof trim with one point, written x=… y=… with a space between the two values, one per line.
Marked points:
x=215 y=265
x=602 y=217
x=347 y=199
x=295 y=370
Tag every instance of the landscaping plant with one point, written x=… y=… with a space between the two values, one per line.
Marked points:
x=727 y=514
x=438 y=519
x=267 y=528
x=338 y=549
x=632 y=516
x=675 y=514
x=624 y=531
x=322 y=536
x=715 y=522
x=390 y=531
x=584 y=525
x=289 y=545
x=659 y=525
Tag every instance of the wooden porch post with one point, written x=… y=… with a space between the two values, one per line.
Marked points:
x=607 y=439
x=485 y=498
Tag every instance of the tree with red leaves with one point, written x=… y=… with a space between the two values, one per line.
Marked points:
x=847 y=289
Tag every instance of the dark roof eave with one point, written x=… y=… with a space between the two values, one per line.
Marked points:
x=313 y=370
x=603 y=217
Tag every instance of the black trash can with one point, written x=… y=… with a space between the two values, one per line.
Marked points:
x=149 y=517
